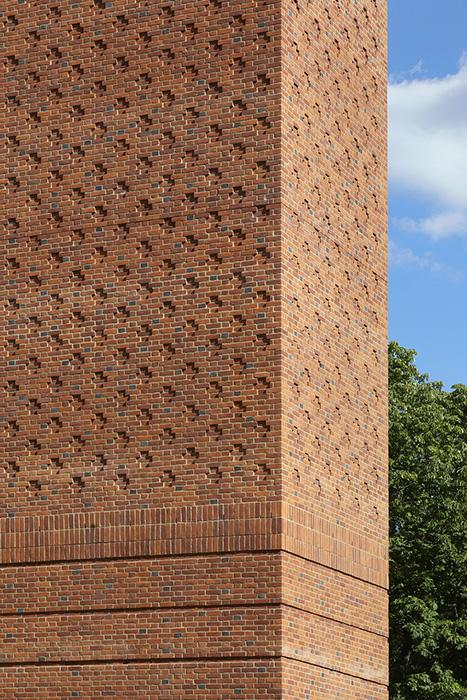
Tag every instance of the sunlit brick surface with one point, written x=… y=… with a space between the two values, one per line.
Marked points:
x=193 y=329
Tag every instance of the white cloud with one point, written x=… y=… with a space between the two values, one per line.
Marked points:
x=417 y=69
x=428 y=148
x=441 y=225
x=405 y=257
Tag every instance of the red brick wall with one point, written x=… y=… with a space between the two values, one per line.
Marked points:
x=172 y=582
x=193 y=338
x=334 y=279
x=228 y=680
x=141 y=251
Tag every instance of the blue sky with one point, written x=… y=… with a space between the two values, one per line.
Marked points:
x=428 y=183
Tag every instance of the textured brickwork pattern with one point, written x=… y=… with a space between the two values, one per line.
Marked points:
x=193 y=338
x=141 y=249
x=334 y=285
x=334 y=459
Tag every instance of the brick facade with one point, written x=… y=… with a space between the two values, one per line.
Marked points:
x=193 y=501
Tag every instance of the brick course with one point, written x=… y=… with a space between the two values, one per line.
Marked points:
x=185 y=681
x=193 y=501
x=174 y=582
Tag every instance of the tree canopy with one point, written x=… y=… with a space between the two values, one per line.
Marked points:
x=428 y=530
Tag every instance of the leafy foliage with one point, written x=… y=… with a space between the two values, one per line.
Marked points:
x=428 y=529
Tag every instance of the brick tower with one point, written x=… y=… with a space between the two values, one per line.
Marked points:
x=193 y=330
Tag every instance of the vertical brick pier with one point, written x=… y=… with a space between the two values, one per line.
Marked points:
x=193 y=430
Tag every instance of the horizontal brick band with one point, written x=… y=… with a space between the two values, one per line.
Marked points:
x=320 y=590
x=326 y=684
x=200 y=680
x=334 y=545
x=194 y=633
x=148 y=532
x=234 y=579
x=154 y=634
x=192 y=530
x=332 y=645
x=265 y=678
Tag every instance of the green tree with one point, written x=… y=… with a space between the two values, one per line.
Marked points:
x=428 y=529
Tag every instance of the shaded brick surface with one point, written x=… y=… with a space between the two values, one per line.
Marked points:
x=193 y=369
